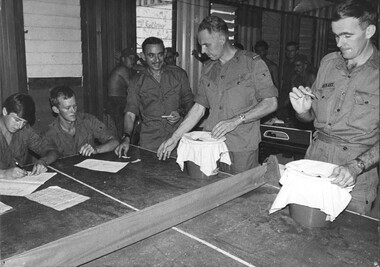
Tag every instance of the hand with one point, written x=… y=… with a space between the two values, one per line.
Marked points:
x=174 y=117
x=14 y=173
x=300 y=100
x=224 y=127
x=39 y=167
x=87 y=150
x=166 y=148
x=122 y=149
x=345 y=175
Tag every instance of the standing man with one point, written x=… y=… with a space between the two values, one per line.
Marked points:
x=118 y=83
x=171 y=56
x=261 y=48
x=237 y=88
x=346 y=110
x=74 y=132
x=17 y=136
x=160 y=94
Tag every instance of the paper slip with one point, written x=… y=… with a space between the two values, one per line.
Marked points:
x=57 y=198
x=24 y=186
x=102 y=165
x=4 y=208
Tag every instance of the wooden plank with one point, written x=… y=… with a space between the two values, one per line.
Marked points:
x=62 y=2
x=52 y=9
x=52 y=34
x=53 y=58
x=118 y=233
x=52 y=21
x=53 y=46
x=37 y=71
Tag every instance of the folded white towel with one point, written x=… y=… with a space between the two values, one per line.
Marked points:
x=203 y=150
x=306 y=182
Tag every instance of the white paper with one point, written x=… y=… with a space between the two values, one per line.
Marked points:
x=102 y=165
x=57 y=198
x=24 y=186
x=4 y=208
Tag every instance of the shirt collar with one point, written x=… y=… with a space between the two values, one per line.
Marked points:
x=373 y=60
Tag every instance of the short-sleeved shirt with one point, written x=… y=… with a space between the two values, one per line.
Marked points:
x=231 y=89
x=152 y=99
x=17 y=150
x=348 y=101
x=87 y=129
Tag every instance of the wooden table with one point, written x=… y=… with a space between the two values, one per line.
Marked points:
x=237 y=233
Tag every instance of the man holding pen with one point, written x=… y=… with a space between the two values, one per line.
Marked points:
x=17 y=136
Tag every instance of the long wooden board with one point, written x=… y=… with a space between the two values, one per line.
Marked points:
x=133 y=227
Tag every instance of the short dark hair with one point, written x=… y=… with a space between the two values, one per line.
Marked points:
x=359 y=9
x=301 y=58
x=213 y=24
x=23 y=105
x=152 y=40
x=261 y=43
x=58 y=91
x=292 y=43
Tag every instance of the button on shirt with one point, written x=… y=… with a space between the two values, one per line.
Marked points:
x=348 y=102
x=87 y=129
x=21 y=141
x=152 y=99
x=234 y=88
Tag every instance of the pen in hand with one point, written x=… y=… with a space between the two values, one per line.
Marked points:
x=20 y=167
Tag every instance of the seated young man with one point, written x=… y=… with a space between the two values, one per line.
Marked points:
x=74 y=132
x=17 y=136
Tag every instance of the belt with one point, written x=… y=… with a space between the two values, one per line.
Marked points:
x=335 y=140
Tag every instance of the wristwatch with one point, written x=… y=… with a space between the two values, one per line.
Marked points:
x=242 y=117
x=360 y=164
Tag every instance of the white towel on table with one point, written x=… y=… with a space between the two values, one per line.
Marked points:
x=306 y=182
x=203 y=150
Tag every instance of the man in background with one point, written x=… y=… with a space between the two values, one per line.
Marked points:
x=118 y=83
x=160 y=94
x=261 y=48
x=345 y=105
x=74 y=132
x=171 y=56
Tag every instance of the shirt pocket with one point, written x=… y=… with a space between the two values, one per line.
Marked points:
x=364 y=114
x=240 y=93
x=324 y=103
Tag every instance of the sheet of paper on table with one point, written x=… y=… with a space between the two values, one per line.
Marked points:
x=24 y=186
x=102 y=165
x=4 y=208
x=57 y=198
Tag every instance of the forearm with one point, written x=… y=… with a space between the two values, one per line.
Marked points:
x=129 y=120
x=370 y=157
x=191 y=119
x=50 y=156
x=306 y=116
x=110 y=145
x=263 y=108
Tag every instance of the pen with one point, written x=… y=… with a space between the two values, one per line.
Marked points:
x=19 y=166
x=310 y=94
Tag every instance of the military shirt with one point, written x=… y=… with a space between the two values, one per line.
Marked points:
x=87 y=129
x=17 y=150
x=348 y=102
x=152 y=99
x=231 y=89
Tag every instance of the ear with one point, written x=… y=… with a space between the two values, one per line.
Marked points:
x=55 y=109
x=370 y=31
x=5 y=113
x=142 y=55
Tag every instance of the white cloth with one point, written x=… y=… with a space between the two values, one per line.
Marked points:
x=203 y=150
x=306 y=182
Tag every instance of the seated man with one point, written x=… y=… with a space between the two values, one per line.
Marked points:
x=73 y=132
x=17 y=136
x=302 y=73
x=160 y=94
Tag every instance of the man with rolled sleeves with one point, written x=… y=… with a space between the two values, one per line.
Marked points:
x=345 y=108
x=237 y=88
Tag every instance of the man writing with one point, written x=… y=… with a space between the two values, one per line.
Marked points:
x=237 y=88
x=345 y=108
x=160 y=94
